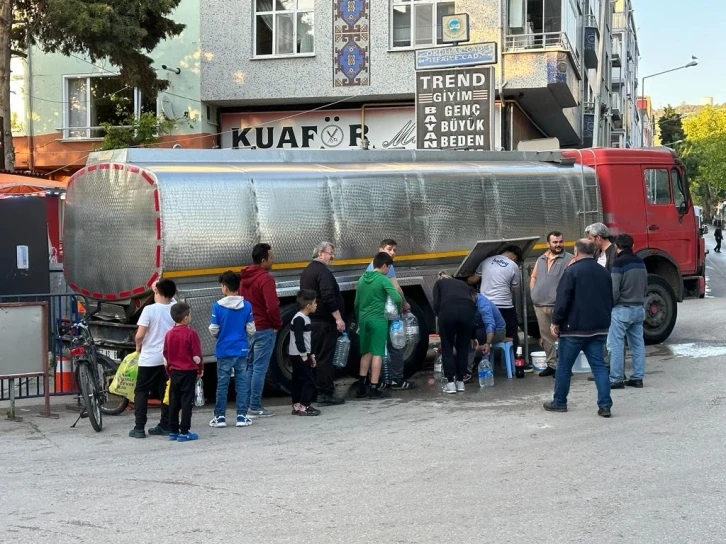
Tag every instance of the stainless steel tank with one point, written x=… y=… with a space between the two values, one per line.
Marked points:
x=135 y=215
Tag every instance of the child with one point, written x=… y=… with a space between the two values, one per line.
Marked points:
x=232 y=323
x=155 y=321
x=183 y=360
x=303 y=362
x=373 y=289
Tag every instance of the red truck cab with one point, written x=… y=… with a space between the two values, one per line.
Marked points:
x=644 y=192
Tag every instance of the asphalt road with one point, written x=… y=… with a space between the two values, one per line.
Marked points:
x=486 y=466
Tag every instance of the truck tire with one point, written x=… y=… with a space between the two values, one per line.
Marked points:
x=279 y=374
x=413 y=356
x=661 y=310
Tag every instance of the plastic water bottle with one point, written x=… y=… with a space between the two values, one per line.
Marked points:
x=386 y=369
x=398 y=336
x=438 y=368
x=199 y=393
x=411 y=328
x=342 y=349
x=390 y=311
x=486 y=374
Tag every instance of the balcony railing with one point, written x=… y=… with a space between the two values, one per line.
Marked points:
x=591 y=20
x=588 y=107
x=620 y=21
x=556 y=41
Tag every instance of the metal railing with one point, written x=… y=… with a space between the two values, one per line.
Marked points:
x=62 y=308
x=620 y=21
x=591 y=20
x=544 y=41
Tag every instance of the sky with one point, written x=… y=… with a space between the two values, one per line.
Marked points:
x=669 y=32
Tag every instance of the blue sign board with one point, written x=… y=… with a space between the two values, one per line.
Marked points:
x=458 y=55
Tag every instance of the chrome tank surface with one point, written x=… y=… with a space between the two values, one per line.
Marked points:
x=135 y=215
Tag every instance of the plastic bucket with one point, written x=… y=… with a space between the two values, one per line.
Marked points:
x=65 y=378
x=539 y=359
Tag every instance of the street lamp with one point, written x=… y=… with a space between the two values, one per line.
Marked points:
x=694 y=62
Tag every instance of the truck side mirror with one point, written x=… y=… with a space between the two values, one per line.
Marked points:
x=683 y=208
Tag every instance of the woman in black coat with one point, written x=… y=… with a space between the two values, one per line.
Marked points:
x=455 y=309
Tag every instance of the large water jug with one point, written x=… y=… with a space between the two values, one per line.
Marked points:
x=398 y=336
x=342 y=349
x=410 y=325
x=390 y=311
x=386 y=369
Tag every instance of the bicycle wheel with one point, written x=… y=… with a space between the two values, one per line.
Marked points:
x=113 y=405
x=90 y=394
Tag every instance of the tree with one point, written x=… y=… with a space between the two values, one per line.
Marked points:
x=122 y=31
x=670 y=126
x=703 y=154
x=146 y=130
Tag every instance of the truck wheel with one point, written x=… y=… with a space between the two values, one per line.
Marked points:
x=661 y=310
x=279 y=374
x=413 y=356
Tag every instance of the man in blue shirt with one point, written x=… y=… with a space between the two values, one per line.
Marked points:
x=396 y=355
x=490 y=328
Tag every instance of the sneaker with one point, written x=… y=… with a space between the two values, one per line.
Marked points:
x=528 y=368
x=158 y=431
x=403 y=385
x=552 y=407
x=187 y=437
x=173 y=436
x=468 y=378
x=450 y=388
x=378 y=394
x=137 y=433
x=459 y=386
x=243 y=421
x=361 y=391
x=330 y=400
x=218 y=421
x=308 y=411
x=262 y=412
x=549 y=371
x=604 y=412
x=384 y=385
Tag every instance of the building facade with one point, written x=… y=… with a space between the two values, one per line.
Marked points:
x=59 y=103
x=316 y=73
x=340 y=74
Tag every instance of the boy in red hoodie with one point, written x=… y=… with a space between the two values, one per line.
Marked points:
x=183 y=360
x=259 y=289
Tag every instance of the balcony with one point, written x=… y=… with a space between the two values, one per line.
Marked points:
x=592 y=38
x=616 y=117
x=620 y=21
x=546 y=41
x=615 y=60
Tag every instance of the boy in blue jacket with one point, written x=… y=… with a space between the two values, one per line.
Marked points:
x=232 y=325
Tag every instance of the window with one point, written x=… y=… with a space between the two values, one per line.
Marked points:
x=657 y=187
x=100 y=99
x=284 y=27
x=418 y=22
x=544 y=23
x=679 y=187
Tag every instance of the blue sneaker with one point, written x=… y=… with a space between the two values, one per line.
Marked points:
x=173 y=436
x=243 y=421
x=187 y=437
x=218 y=421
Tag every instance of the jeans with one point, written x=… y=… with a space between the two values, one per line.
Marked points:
x=258 y=361
x=570 y=348
x=241 y=386
x=626 y=321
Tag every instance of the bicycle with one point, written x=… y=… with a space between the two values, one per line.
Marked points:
x=94 y=373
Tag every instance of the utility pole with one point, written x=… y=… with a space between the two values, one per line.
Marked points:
x=604 y=6
x=6 y=134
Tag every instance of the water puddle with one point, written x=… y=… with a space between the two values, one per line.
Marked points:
x=696 y=351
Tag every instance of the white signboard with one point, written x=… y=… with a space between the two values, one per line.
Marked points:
x=386 y=128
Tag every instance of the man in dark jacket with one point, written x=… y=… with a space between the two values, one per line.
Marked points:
x=258 y=287
x=327 y=321
x=581 y=320
x=630 y=286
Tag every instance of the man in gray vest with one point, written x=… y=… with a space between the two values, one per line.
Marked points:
x=543 y=289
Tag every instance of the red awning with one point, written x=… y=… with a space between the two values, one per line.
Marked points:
x=13 y=184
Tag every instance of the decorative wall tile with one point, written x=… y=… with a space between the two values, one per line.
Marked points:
x=351 y=43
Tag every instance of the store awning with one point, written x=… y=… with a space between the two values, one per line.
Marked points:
x=14 y=184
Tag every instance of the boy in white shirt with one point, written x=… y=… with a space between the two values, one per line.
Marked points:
x=155 y=321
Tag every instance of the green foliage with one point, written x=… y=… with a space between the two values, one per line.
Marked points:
x=670 y=126
x=122 y=31
x=146 y=130
x=704 y=152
